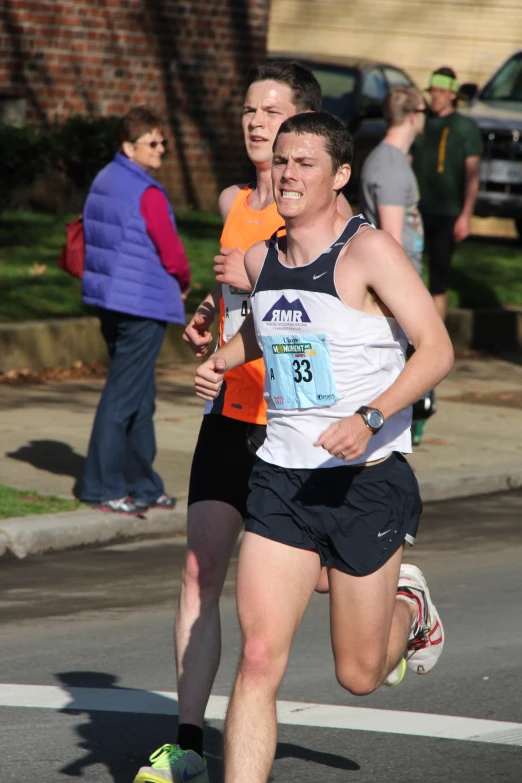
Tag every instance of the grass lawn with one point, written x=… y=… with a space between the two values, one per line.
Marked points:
x=22 y=503
x=485 y=272
x=33 y=287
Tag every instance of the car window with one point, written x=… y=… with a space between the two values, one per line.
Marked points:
x=507 y=84
x=338 y=87
x=374 y=87
x=396 y=78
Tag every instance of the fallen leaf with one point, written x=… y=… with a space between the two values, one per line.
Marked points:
x=37 y=269
x=435 y=442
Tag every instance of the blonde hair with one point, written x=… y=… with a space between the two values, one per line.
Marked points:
x=399 y=102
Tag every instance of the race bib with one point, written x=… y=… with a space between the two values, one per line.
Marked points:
x=299 y=371
x=237 y=307
x=418 y=243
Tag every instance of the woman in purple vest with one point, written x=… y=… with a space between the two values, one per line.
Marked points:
x=136 y=274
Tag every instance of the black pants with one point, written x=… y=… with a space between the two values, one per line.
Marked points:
x=123 y=443
x=439 y=244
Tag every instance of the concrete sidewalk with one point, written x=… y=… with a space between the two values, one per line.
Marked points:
x=471 y=446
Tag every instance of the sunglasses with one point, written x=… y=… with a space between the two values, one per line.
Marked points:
x=154 y=144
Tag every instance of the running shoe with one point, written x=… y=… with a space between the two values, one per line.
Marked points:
x=427 y=634
x=119 y=506
x=167 y=502
x=170 y=764
x=396 y=676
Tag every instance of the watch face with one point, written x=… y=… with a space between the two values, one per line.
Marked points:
x=375 y=419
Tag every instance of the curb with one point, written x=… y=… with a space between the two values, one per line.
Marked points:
x=62 y=341
x=58 y=342
x=25 y=536
x=34 y=535
x=451 y=486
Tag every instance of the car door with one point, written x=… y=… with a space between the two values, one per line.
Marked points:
x=370 y=128
x=339 y=88
x=396 y=78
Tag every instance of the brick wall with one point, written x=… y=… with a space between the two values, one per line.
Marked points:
x=185 y=57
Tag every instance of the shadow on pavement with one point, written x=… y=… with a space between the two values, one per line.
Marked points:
x=123 y=741
x=52 y=456
x=289 y=750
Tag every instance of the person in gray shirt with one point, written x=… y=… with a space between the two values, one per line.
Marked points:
x=389 y=197
x=389 y=194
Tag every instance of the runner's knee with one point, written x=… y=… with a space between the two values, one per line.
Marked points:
x=202 y=572
x=263 y=659
x=360 y=679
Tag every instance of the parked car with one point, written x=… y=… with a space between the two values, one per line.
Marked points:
x=353 y=90
x=497 y=110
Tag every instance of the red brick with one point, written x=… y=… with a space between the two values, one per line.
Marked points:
x=108 y=53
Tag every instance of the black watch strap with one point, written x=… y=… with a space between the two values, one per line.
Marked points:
x=364 y=411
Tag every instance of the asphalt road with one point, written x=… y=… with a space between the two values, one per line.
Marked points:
x=88 y=676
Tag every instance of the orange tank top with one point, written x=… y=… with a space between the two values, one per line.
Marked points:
x=242 y=391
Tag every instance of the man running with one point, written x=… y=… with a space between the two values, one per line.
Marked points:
x=332 y=304
x=234 y=425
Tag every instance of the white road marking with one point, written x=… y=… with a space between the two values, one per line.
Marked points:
x=326 y=716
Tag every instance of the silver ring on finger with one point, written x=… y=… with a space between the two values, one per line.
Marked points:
x=342 y=456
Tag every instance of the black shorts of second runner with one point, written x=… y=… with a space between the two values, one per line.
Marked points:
x=223 y=460
x=355 y=518
x=440 y=244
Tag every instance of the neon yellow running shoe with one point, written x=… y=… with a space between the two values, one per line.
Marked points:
x=396 y=676
x=170 y=764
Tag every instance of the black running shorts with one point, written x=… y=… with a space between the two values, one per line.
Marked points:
x=355 y=518
x=223 y=460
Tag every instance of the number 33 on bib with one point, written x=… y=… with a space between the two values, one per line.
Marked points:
x=299 y=371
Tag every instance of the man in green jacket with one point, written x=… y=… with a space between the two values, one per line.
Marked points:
x=446 y=163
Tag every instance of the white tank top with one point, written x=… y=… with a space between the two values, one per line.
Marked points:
x=323 y=359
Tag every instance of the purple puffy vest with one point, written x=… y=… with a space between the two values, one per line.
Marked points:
x=123 y=271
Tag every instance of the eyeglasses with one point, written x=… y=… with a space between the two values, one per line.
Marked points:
x=154 y=144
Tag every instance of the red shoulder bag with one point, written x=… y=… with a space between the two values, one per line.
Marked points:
x=72 y=257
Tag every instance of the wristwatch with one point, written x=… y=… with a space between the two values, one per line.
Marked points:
x=372 y=417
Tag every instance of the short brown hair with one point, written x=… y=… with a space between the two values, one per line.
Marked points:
x=337 y=140
x=306 y=91
x=399 y=102
x=137 y=122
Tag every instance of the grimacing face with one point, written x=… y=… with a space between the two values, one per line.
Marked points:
x=302 y=175
x=267 y=105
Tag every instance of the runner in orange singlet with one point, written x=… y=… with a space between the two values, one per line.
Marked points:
x=233 y=426
x=243 y=394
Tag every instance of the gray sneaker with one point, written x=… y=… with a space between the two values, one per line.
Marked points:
x=119 y=506
x=170 y=764
x=166 y=502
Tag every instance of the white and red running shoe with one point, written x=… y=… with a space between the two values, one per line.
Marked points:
x=427 y=634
